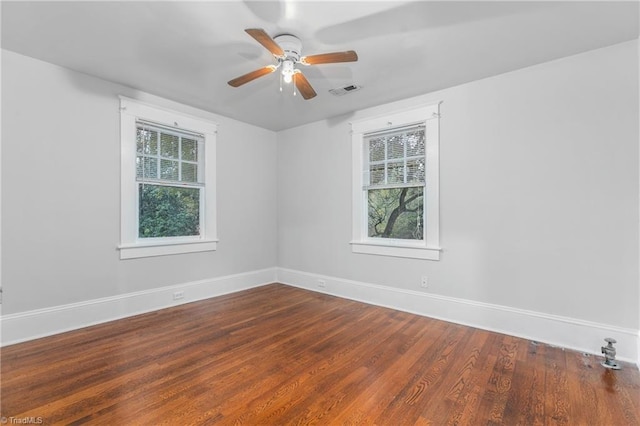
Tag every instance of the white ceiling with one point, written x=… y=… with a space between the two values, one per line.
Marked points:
x=187 y=51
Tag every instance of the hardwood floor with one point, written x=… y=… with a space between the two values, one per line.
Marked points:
x=280 y=355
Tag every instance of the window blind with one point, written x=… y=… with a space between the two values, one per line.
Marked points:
x=168 y=155
x=395 y=158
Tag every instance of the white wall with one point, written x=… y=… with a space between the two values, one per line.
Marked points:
x=61 y=186
x=539 y=193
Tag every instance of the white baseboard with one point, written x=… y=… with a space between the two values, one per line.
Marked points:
x=34 y=324
x=570 y=333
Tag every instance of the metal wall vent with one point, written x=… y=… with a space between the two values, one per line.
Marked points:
x=344 y=90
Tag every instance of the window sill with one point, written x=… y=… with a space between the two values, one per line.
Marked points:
x=410 y=251
x=133 y=251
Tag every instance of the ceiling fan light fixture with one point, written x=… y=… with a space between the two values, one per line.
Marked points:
x=287 y=71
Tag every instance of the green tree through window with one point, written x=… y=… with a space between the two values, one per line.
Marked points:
x=396 y=213
x=168 y=211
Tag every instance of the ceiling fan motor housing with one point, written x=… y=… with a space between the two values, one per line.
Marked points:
x=291 y=45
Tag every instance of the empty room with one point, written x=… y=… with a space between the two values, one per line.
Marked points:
x=320 y=212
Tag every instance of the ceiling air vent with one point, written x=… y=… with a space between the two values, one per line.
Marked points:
x=346 y=89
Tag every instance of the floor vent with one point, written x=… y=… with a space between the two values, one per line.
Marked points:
x=344 y=90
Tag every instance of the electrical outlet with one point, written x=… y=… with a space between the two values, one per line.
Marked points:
x=177 y=295
x=322 y=283
x=423 y=282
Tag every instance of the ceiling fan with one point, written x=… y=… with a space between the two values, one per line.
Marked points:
x=286 y=48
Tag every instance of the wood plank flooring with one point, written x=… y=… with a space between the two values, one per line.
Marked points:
x=278 y=355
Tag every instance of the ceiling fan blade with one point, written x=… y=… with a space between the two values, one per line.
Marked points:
x=303 y=85
x=264 y=39
x=243 y=79
x=330 y=58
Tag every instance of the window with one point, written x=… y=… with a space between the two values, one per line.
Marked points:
x=170 y=179
x=395 y=184
x=167 y=182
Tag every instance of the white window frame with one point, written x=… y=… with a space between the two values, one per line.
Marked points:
x=131 y=246
x=429 y=247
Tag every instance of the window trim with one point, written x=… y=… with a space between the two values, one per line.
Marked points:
x=429 y=248
x=131 y=246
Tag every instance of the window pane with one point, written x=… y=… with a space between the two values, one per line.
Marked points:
x=395 y=173
x=395 y=146
x=169 y=170
x=167 y=211
x=140 y=137
x=415 y=142
x=149 y=165
x=376 y=174
x=415 y=170
x=189 y=149
x=189 y=172
x=146 y=141
x=153 y=144
x=376 y=149
x=169 y=145
x=396 y=213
